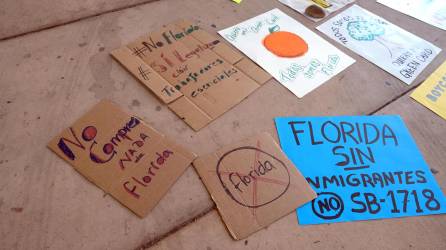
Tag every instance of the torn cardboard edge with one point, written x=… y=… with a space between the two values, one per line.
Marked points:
x=187 y=110
x=112 y=178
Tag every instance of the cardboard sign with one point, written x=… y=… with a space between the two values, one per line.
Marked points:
x=432 y=12
x=291 y=53
x=391 y=48
x=123 y=156
x=253 y=184
x=316 y=10
x=362 y=167
x=432 y=93
x=195 y=74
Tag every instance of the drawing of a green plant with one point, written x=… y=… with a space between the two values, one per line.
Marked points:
x=369 y=31
x=365 y=30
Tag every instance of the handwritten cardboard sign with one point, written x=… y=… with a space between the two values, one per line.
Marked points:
x=432 y=12
x=316 y=10
x=391 y=48
x=432 y=93
x=294 y=55
x=191 y=71
x=253 y=184
x=123 y=156
x=362 y=167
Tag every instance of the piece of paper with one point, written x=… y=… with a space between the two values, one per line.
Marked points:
x=253 y=184
x=123 y=156
x=391 y=48
x=432 y=93
x=195 y=74
x=294 y=55
x=362 y=167
x=316 y=10
x=432 y=12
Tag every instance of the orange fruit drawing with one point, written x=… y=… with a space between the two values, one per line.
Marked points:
x=285 y=44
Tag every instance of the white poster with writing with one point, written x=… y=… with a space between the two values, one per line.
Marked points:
x=429 y=11
x=294 y=55
x=391 y=48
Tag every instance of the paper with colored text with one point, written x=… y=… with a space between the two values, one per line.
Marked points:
x=391 y=48
x=294 y=55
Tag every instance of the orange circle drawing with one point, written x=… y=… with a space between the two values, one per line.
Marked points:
x=285 y=44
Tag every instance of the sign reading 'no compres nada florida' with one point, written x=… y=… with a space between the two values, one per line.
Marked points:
x=362 y=167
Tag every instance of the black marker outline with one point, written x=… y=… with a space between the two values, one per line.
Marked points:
x=255 y=149
x=331 y=217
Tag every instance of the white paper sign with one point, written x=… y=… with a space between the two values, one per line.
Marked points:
x=432 y=12
x=326 y=7
x=291 y=53
x=393 y=49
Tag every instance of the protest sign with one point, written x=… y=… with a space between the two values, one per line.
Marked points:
x=362 y=167
x=253 y=184
x=391 y=48
x=195 y=74
x=432 y=12
x=316 y=10
x=294 y=55
x=123 y=156
x=432 y=93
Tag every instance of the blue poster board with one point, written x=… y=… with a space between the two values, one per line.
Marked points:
x=362 y=167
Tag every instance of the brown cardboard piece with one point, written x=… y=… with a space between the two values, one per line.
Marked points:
x=253 y=184
x=194 y=73
x=123 y=156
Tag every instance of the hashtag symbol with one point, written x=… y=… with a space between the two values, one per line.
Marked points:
x=139 y=51
x=144 y=73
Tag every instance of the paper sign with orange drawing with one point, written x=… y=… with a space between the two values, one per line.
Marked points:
x=294 y=55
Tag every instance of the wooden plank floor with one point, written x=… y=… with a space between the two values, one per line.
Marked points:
x=51 y=77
